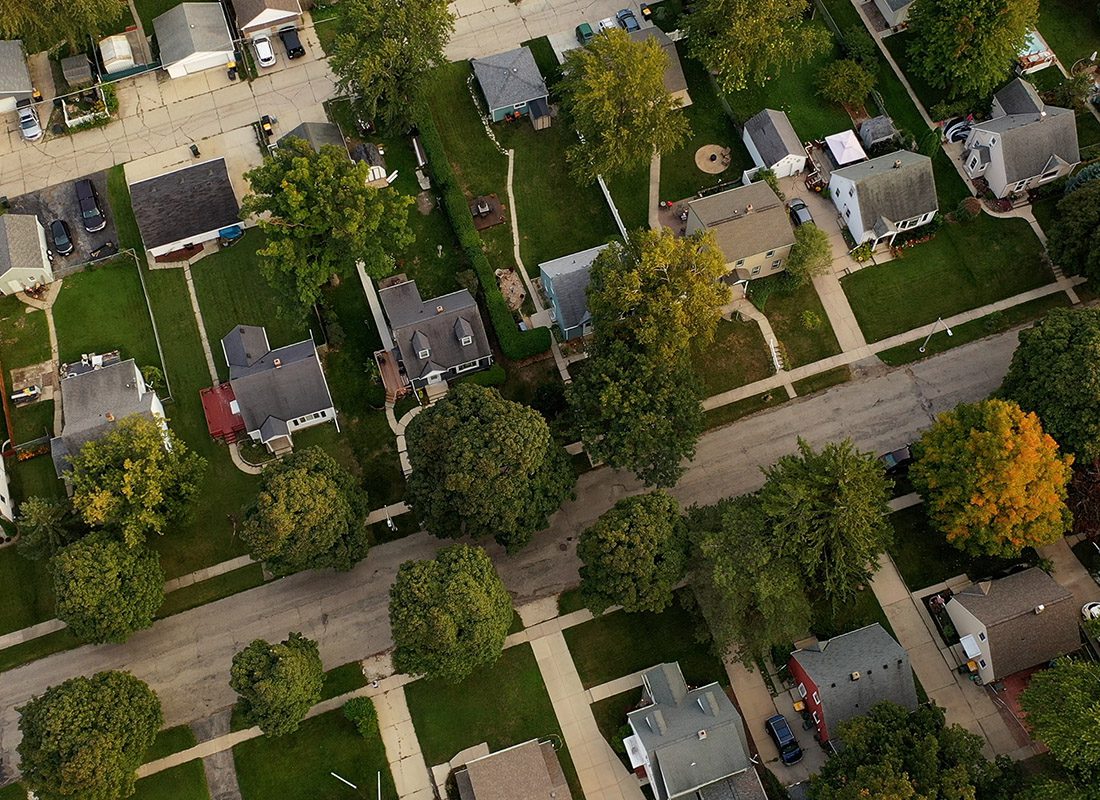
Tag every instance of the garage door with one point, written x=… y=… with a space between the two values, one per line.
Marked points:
x=198 y=63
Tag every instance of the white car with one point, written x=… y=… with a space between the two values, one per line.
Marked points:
x=1091 y=610
x=265 y=52
x=29 y=125
x=608 y=24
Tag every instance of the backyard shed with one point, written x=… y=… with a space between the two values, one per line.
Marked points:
x=117 y=54
x=771 y=141
x=193 y=37
x=512 y=84
x=877 y=130
x=77 y=70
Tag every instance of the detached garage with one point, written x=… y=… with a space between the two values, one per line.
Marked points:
x=193 y=37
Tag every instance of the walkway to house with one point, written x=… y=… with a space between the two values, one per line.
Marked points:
x=655 y=192
x=46 y=306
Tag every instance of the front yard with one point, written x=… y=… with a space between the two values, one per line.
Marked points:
x=798 y=319
x=185 y=782
x=737 y=356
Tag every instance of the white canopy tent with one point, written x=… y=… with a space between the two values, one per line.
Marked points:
x=845 y=148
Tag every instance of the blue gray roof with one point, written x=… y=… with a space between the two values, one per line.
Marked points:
x=774 y=136
x=569 y=277
x=15 y=78
x=509 y=79
x=1034 y=137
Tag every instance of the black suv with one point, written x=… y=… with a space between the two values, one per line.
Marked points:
x=292 y=43
x=62 y=237
x=88 y=198
x=780 y=731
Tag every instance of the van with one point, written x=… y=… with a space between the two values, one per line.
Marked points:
x=584 y=33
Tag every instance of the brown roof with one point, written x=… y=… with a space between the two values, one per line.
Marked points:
x=248 y=10
x=739 y=231
x=529 y=771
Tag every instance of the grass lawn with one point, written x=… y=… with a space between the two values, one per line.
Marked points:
x=343 y=679
x=24 y=335
x=20 y=654
x=479 y=165
x=630 y=192
x=731 y=412
x=203 y=592
x=738 y=355
x=785 y=310
x=965 y=266
x=169 y=741
x=13 y=791
x=185 y=782
x=28 y=591
x=503 y=705
x=610 y=714
x=823 y=380
x=324 y=22
x=1071 y=27
x=929 y=95
x=298 y=766
x=32 y=421
x=859 y=612
x=617 y=644
x=149 y=10
x=35 y=476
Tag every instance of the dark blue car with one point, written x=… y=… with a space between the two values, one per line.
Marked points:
x=780 y=731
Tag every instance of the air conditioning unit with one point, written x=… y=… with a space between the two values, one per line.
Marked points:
x=855 y=676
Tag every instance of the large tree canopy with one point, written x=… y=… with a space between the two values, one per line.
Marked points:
x=449 y=615
x=1075 y=236
x=384 y=51
x=135 y=480
x=812 y=254
x=46 y=525
x=483 y=465
x=1063 y=709
x=309 y=514
x=46 y=24
x=85 y=738
x=615 y=92
x=993 y=481
x=278 y=683
x=321 y=218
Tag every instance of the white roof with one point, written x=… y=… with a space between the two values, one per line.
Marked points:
x=845 y=147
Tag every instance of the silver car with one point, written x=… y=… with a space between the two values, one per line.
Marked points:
x=29 y=125
x=265 y=51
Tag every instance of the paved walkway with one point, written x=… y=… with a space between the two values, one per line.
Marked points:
x=655 y=192
x=214 y=381
x=744 y=307
x=839 y=311
x=1070 y=572
x=207 y=573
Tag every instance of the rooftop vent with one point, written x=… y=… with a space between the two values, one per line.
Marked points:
x=702 y=735
x=1039 y=609
x=855 y=676
x=109 y=417
x=748 y=208
x=897 y=164
x=439 y=309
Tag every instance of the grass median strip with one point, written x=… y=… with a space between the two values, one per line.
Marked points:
x=211 y=589
x=731 y=412
x=169 y=741
x=822 y=381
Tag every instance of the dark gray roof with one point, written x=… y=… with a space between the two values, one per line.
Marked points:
x=187 y=202
x=741 y=232
x=20 y=245
x=877 y=129
x=416 y=323
x=528 y=771
x=245 y=345
x=893 y=187
x=369 y=152
x=510 y=78
x=569 y=276
x=1003 y=599
x=774 y=136
x=191 y=28
x=15 y=78
x=1019 y=97
x=882 y=664
x=77 y=70
x=1030 y=144
x=318 y=134
x=674 y=79
x=898 y=5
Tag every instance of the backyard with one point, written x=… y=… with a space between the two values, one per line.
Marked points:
x=1069 y=28
x=738 y=355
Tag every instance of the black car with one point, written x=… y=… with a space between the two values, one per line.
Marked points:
x=292 y=43
x=789 y=750
x=62 y=237
x=897 y=462
x=88 y=198
x=800 y=212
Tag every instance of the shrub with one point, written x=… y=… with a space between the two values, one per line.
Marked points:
x=969 y=209
x=859 y=46
x=494 y=376
x=811 y=320
x=845 y=81
x=360 y=711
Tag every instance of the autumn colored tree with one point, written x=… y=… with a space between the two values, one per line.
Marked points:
x=993 y=481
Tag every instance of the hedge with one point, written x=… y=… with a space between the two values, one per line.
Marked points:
x=494 y=376
x=516 y=344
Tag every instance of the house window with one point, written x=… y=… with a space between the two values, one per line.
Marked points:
x=769 y=254
x=469 y=365
x=1049 y=175
x=295 y=423
x=801 y=690
x=1021 y=184
x=992 y=140
x=740 y=262
x=817 y=698
x=981 y=663
x=777 y=263
x=466 y=340
x=817 y=719
x=851 y=191
x=836 y=192
x=519 y=106
x=423 y=353
x=972 y=163
x=322 y=414
x=981 y=636
x=756 y=270
x=848 y=214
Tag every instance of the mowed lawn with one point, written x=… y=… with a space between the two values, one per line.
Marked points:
x=185 y=782
x=24 y=335
x=798 y=319
x=630 y=191
x=1071 y=28
x=967 y=265
x=28 y=590
x=738 y=355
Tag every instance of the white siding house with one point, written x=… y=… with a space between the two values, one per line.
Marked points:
x=880 y=198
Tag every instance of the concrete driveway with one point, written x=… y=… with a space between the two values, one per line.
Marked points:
x=825 y=217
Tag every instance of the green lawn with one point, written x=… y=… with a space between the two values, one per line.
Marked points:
x=821 y=381
x=298 y=766
x=828 y=621
x=617 y=644
x=631 y=194
x=28 y=591
x=169 y=741
x=24 y=335
x=738 y=355
x=324 y=21
x=929 y=95
x=804 y=341
x=610 y=714
x=13 y=791
x=20 y=654
x=479 y=165
x=207 y=591
x=503 y=705
x=185 y=782
x=1071 y=28
x=32 y=421
x=343 y=679
x=731 y=412
x=34 y=477
x=149 y=10
x=965 y=266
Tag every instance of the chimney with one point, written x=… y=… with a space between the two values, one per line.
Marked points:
x=748 y=208
x=439 y=309
x=855 y=676
x=278 y=363
x=702 y=735
x=109 y=417
x=897 y=164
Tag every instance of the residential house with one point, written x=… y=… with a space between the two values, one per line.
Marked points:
x=690 y=743
x=843 y=677
x=193 y=37
x=184 y=208
x=15 y=78
x=674 y=80
x=24 y=254
x=1025 y=143
x=895 y=12
x=750 y=225
x=565 y=283
x=436 y=339
x=877 y=130
x=1014 y=622
x=880 y=198
x=96 y=393
x=255 y=17
x=773 y=144
x=512 y=84
x=528 y=771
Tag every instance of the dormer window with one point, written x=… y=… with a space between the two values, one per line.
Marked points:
x=465 y=341
x=423 y=353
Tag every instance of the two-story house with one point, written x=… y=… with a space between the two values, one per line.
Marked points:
x=880 y=198
x=750 y=225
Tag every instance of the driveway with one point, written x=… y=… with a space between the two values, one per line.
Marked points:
x=825 y=217
x=59 y=202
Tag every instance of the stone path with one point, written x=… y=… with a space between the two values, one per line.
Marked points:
x=202 y=325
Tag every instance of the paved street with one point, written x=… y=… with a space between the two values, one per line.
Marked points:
x=484 y=27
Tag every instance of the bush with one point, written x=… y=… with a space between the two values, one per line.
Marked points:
x=969 y=209
x=859 y=46
x=845 y=81
x=360 y=711
x=811 y=320
x=494 y=376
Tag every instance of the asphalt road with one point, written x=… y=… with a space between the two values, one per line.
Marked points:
x=186 y=657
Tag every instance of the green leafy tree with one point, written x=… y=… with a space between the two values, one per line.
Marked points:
x=277 y=683
x=85 y=738
x=449 y=615
x=309 y=514
x=968 y=47
x=637 y=411
x=994 y=482
x=860 y=47
x=136 y=480
x=828 y=509
x=106 y=590
x=1063 y=709
x=45 y=525
x=1074 y=242
x=484 y=465
x=1055 y=372
x=361 y=713
x=749 y=42
x=384 y=52
x=751 y=594
x=615 y=92
x=634 y=555
x=846 y=82
x=321 y=218
x=48 y=24
x=812 y=254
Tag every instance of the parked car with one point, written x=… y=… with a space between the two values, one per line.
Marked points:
x=1090 y=610
x=957 y=130
x=789 y=750
x=29 y=125
x=88 y=199
x=627 y=19
x=584 y=33
x=800 y=212
x=608 y=24
x=61 y=236
x=292 y=43
x=265 y=53
x=897 y=462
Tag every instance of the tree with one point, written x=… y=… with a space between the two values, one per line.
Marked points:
x=812 y=254
x=749 y=42
x=309 y=514
x=859 y=46
x=47 y=24
x=484 y=465
x=968 y=47
x=449 y=615
x=846 y=82
x=1063 y=709
x=634 y=555
x=106 y=590
x=993 y=481
x=135 y=480
x=828 y=510
x=321 y=218
x=1074 y=243
x=361 y=713
x=1055 y=372
x=615 y=92
x=751 y=594
x=660 y=291
x=86 y=737
x=383 y=53
x=277 y=683
x=637 y=411
x=45 y=526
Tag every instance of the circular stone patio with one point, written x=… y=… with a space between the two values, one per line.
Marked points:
x=712 y=158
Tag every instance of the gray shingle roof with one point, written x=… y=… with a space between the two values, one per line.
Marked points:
x=893 y=191
x=77 y=70
x=674 y=79
x=187 y=202
x=318 y=134
x=529 y=771
x=15 y=78
x=191 y=28
x=898 y=5
x=741 y=233
x=1032 y=143
x=20 y=244
x=1019 y=97
x=569 y=276
x=1000 y=600
x=418 y=325
x=774 y=136
x=877 y=129
x=510 y=78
